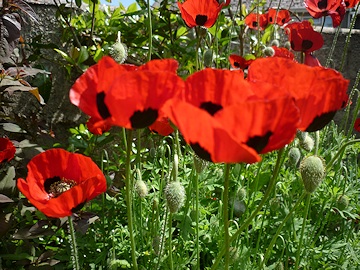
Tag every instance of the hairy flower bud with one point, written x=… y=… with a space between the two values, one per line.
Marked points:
x=312 y=170
x=208 y=58
x=342 y=202
x=141 y=188
x=269 y=51
x=294 y=155
x=308 y=143
x=175 y=196
x=118 y=51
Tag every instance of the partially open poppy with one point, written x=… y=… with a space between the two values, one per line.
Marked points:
x=237 y=61
x=200 y=12
x=320 y=8
x=303 y=37
x=256 y=21
x=7 y=150
x=162 y=127
x=278 y=16
x=357 y=125
x=97 y=127
x=318 y=92
x=59 y=183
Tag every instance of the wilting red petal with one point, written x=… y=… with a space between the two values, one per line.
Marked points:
x=279 y=17
x=7 y=150
x=207 y=136
x=238 y=61
x=256 y=21
x=162 y=126
x=135 y=98
x=319 y=92
x=357 y=125
x=58 y=163
x=200 y=12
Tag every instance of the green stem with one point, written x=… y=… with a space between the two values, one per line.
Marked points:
x=74 y=251
x=273 y=240
x=150 y=30
x=298 y=253
x=246 y=223
x=317 y=139
x=226 y=215
x=128 y=187
x=197 y=220
x=340 y=152
x=170 y=242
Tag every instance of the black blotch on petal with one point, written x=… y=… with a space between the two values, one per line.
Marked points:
x=322 y=4
x=201 y=19
x=306 y=45
x=321 y=121
x=78 y=207
x=48 y=182
x=101 y=106
x=292 y=45
x=210 y=107
x=236 y=64
x=254 y=24
x=258 y=143
x=201 y=152
x=142 y=119
x=270 y=19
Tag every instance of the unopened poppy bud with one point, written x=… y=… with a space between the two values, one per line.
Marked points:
x=312 y=170
x=155 y=204
x=118 y=50
x=342 y=202
x=301 y=135
x=294 y=155
x=199 y=164
x=239 y=208
x=202 y=32
x=241 y=194
x=141 y=188
x=287 y=45
x=156 y=242
x=208 y=58
x=152 y=152
x=269 y=51
x=175 y=196
x=274 y=205
x=279 y=266
x=307 y=144
x=275 y=42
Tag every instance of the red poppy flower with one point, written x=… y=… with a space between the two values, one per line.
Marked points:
x=320 y=8
x=311 y=60
x=318 y=92
x=7 y=150
x=256 y=21
x=351 y=3
x=357 y=125
x=279 y=17
x=59 y=183
x=97 y=127
x=237 y=61
x=303 y=37
x=200 y=12
x=283 y=52
x=162 y=126
x=125 y=95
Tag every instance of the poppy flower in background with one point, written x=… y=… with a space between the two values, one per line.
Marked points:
x=357 y=125
x=59 y=183
x=237 y=61
x=208 y=137
x=351 y=3
x=97 y=127
x=318 y=92
x=278 y=16
x=283 y=52
x=139 y=91
x=303 y=37
x=7 y=150
x=336 y=9
x=162 y=127
x=256 y=21
x=200 y=12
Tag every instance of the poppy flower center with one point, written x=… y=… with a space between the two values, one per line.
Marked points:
x=322 y=4
x=306 y=45
x=210 y=107
x=55 y=186
x=142 y=119
x=201 y=19
x=101 y=106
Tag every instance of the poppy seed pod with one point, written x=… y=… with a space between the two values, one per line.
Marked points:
x=342 y=202
x=312 y=170
x=175 y=196
x=294 y=155
x=269 y=51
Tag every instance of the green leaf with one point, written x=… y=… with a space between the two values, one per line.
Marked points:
x=65 y=56
x=132 y=8
x=83 y=55
x=7 y=181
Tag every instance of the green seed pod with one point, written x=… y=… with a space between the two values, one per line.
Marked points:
x=175 y=196
x=269 y=51
x=294 y=155
x=312 y=170
x=199 y=164
x=287 y=45
x=141 y=188
x=241 y=195
x=155 y=204
x=274 y=205
x=239 y=208
x=342 y=202
x=118 y=50
x=275 y=42
x=307 y=144
x=208 y=58
x=301 y=135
